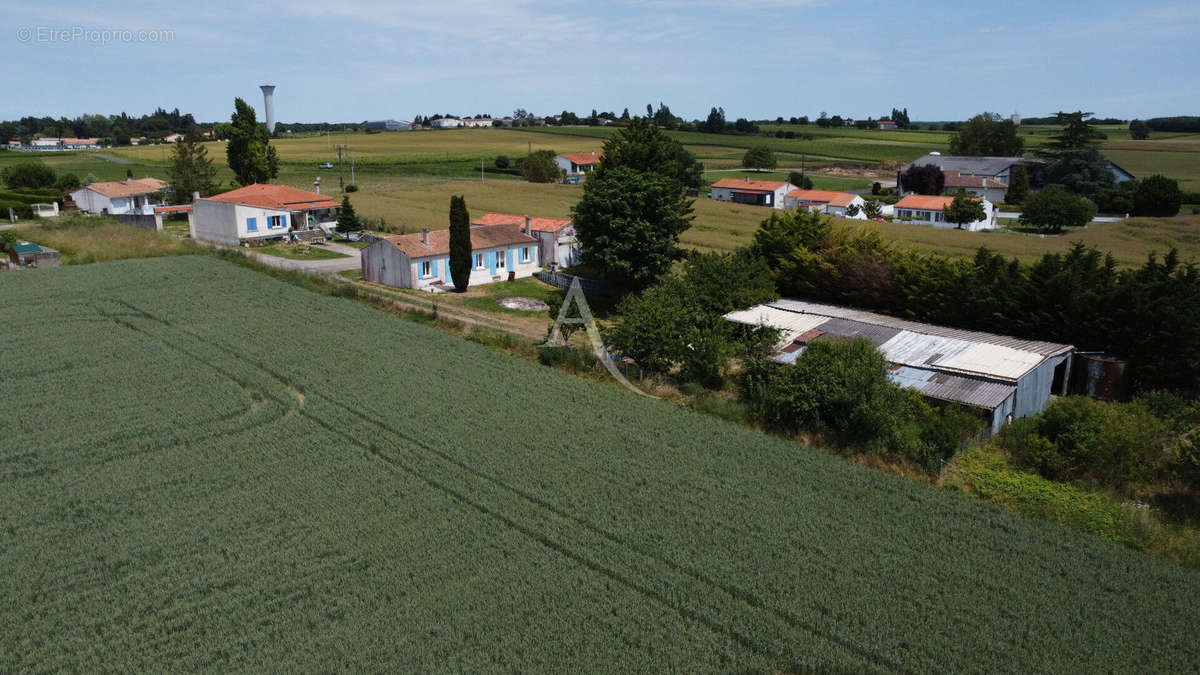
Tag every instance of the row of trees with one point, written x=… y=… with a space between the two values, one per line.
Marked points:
x=117 y=129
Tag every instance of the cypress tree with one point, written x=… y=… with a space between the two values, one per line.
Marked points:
x=460 y=244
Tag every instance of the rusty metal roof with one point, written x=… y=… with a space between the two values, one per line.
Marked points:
x=947 y=387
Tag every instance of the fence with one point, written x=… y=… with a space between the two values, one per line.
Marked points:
x=588 y=286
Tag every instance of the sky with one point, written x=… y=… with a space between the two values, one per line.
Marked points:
x=355 y=60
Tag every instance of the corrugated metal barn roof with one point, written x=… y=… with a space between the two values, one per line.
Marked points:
x=791 y=324
x=946 y=387
x=1036 y=346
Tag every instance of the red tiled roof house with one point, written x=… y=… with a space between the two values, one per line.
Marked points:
x=755 y=192
x=131 y=196
x=927 y=210
x=257 y=212
x=557 y=245
x=825 y=202
x=577 y=163
x=422 y=259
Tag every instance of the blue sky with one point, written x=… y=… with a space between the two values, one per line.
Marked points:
x=350 y=60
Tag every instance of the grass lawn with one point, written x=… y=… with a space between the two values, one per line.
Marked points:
x=87 y=240
x=298 y=252
x=486 y=297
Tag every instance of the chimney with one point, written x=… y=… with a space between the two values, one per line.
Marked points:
x=317 y=185
x=747 y=179
x=528 y=225
x=268 y=91
x=425 y=236
x=195 y=196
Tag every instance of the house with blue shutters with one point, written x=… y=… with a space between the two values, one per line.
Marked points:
x=259 y=212
x=422 y=259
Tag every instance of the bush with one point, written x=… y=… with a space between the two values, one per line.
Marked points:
x=1053 y=209
x=1157 y=196
x=29 y=175
x=352 y=188
x=800 y=180
x=502 y=162
x=539 y=167
x=67 y=182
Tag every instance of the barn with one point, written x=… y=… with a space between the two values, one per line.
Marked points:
x=1004 y=377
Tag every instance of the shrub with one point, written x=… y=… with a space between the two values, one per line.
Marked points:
x=1157 y=196
x=502 y=162
x=29 y=175
x=352 y=188
x=67 y=182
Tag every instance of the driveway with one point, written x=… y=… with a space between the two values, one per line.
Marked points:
x=351 y=262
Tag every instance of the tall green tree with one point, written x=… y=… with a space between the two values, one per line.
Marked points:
x=715 y=124
x=29 y=175
x=347 y=220
x=1139 y=130
x=964 y=209
x=927 y=179
x=987 y=135
x=539 y=167
x=1078 y=132
x=644 y=146
x=1018 y=185
x=249 y=152
x=190 y=170
x=1157 y=196
x=1053 y=209
x=759 y=157
x=460 y=244
x=628 y=224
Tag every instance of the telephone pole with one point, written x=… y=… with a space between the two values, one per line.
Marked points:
x=341 y=171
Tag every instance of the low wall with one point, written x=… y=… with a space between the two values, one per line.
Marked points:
x=589 y=286
x=152 y=222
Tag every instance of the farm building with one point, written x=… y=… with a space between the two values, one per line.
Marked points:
x=826 y=202
x=130 y=196
x=1007 y=377
x=995 y=168
x=928 y=210
x=172 y=138
x=557 y=245
x=981 y=186
x=756 y=192
x=477 y=122
x=26 y=253
x=390 y=125
x=446 y=123
x=422 y=259
x=578 y=163
x=887 y=125
x=257 y=212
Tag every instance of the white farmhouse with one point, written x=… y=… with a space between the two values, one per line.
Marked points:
x=557 y=245
x=446 y=123
x=927 y=210
x=825 y=202
x=422 y=259
x=258 y=212
x=130 y=196
x=578 y=163
x=754 y=192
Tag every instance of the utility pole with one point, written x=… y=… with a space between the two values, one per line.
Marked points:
x=481 y=170
x=341 y=171
x=352 y=181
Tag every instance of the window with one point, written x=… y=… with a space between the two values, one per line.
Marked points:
x=426 y=269
x=500 y=259
x=274 y=222
x=525 y=254
x=252 y=224
x=478 y=261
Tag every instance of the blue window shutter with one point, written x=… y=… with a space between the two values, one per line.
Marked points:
x=252 y=224
x=509 y=253
x=491 y=261
x=449 y=277
x=435 y=269
x=283 y=221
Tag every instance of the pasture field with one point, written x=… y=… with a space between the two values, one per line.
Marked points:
x=184 y=491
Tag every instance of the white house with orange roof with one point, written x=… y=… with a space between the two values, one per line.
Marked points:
x=928 y=210
x=258 y=212
x=825 y=202
x=577 y=163
x=754 y=192
x=990 y=189
x=130 y=196
x=557 y=245
x=422 y=259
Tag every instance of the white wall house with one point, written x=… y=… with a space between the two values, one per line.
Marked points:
x=557 y=244
x=825 y=202
x=258 y=212
x=131 y=196
x=927 y=210
x=422 y=259
x=477 y=122
x=754 y=192
x=45 y=143
x=446 y=123
x=990 y=189
x=577 y=163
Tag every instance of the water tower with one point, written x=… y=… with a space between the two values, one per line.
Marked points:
x=268 y=91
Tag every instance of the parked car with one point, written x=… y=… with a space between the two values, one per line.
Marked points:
x=325 y=165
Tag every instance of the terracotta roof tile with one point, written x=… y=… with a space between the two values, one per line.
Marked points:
x=957 y=179
x=924 y=202
x=747 y=184
x=280 y=197
x=830 y=197
x=538 y=224
x=583 y=158
x=482 y=236
x=126 y=188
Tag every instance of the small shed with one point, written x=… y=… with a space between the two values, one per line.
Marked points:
x=28 y=254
